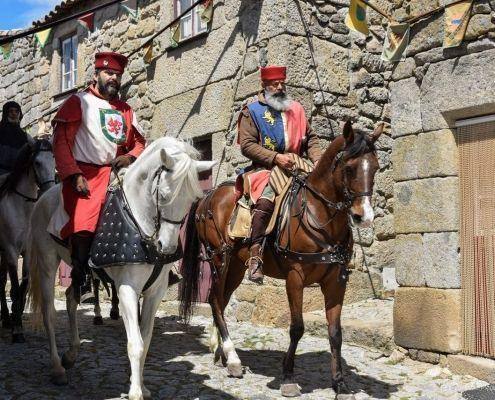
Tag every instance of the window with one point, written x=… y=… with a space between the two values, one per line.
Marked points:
x=69 y=63
x=191 y=24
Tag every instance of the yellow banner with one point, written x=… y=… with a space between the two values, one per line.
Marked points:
x=148 y=53
x=175 y=34
x=7 y=50
x=42 y=37
x=356 y=19
x=396 y=42
x=207 y=11
x=456 y=22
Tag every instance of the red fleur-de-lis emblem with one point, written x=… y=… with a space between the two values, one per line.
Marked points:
x=114 y=126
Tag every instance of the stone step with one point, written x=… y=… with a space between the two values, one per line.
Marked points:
x=367 y=323
x=479 y=367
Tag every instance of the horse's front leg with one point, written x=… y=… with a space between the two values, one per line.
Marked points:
x=294 y=286
x=97 y=319
x=47 y=283
x=129 y=302
x=334 y=291
x=16 y=297
x=24 y=282
x=69 y=357
x=217 y=301
x=114 y=312
x=4 y=312
x=151 y=301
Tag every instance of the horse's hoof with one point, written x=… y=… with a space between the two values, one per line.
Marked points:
x=234 y=370
x=114 y=315
x=67 y=363
x=97 y=321
x=290 y=390
x=59 y=380
x=136 y=395
x=345 y=397
x=342 y=392
x=18 y=338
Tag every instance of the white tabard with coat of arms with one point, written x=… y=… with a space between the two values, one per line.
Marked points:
x=101 y=131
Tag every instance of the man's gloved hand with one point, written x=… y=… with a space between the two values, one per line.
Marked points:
x=122 y=161
x=80 y=184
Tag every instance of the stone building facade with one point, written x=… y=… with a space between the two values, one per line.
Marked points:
x=195 y=91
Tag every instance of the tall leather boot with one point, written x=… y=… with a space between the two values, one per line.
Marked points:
x=262 y=213
x=81 y=275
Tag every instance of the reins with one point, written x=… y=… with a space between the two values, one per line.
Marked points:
x=3 y=191
x=157 y=218
x=298 y=195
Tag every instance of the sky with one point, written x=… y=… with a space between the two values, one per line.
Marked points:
x=21 y=13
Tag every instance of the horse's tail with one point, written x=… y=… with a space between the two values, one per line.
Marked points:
x=189 y=288
x=34 y=293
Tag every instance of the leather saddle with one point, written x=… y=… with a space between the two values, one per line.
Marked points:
x=280 y=180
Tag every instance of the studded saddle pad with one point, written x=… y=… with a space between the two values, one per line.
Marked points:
x=117 y=240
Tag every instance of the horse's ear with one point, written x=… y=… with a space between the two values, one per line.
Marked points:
x=377 y=132
x=205 y=165
x=167 y=161
x=348 y=132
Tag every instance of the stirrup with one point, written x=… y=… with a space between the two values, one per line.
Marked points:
x=86 y=293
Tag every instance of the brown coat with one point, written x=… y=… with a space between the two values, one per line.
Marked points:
x=249 y=140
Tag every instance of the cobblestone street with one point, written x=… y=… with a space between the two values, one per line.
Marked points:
x=179 y=366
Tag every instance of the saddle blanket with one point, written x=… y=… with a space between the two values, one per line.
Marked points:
x=240 y=221
x=117 y=240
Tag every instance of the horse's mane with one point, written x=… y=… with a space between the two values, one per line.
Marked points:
x=362 y=144
x=183 y=171
x=22 y=164
x=171 y=143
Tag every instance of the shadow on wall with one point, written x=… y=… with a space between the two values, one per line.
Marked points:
x=248 y=21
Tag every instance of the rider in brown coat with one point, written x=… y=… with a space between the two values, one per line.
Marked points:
x=269 y=129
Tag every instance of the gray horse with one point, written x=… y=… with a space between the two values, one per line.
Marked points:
x=33 y=172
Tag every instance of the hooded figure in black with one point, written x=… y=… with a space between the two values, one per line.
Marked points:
x=12 y=137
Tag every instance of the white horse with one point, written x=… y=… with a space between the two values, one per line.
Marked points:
x=162 y=182
x=33 y=171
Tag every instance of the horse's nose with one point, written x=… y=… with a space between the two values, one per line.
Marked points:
x=357 y=218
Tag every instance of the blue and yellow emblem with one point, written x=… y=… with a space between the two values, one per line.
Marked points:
x=270 y=125
x=268 y=117
x=269 y=143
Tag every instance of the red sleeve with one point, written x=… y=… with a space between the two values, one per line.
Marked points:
x=70 y=111
x=66 y=123
x=138 y=142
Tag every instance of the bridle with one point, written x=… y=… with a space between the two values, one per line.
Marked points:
x=38 y=148
x=158 y=218
x=331 y=253
x=349 y=195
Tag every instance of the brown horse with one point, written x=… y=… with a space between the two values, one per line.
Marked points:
x=312 y=245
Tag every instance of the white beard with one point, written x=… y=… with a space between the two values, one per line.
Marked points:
x=278 y=103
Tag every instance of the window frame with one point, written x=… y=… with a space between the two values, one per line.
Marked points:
x=195 y=18
x=72 y=81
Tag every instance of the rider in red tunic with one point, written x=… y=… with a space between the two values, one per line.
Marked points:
x=93 y=131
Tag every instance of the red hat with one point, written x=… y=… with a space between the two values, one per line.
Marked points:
x=110 y=60
x=273 y=72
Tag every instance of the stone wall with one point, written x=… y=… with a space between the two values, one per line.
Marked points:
x=196 y=90
x=431 y=89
